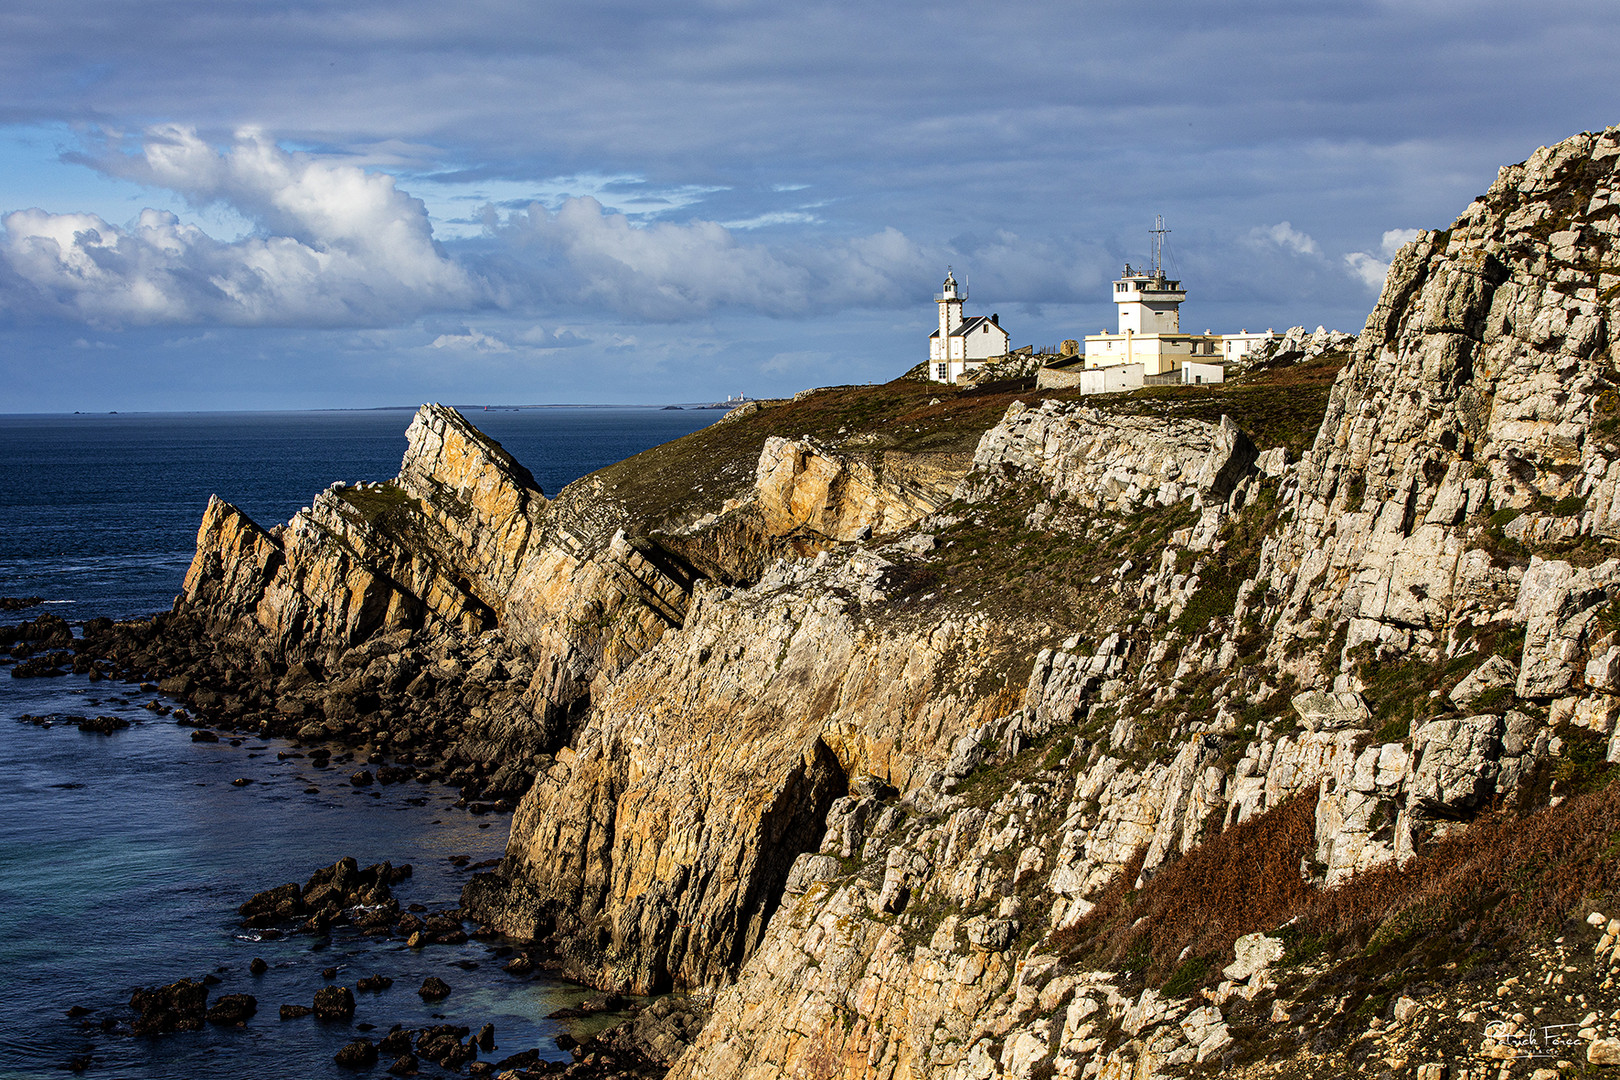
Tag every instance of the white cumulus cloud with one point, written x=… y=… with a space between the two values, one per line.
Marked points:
x=1284 y=235
x=583 y=254
x=335 y=245
x=472 y=341
x=1372 y=269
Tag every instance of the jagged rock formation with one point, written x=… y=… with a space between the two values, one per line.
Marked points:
x=1479 y=389
x=442 y=542
x=1296 y=344
x=818 y=751
x=801 y=485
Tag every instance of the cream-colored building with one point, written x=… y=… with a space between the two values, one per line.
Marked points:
x=1235 y=347
x=1150 y=327
x=961 y=344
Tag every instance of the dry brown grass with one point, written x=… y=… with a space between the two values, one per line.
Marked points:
x=1505 y=879
x=1244 y=879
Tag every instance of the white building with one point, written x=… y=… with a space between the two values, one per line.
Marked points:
x=1149 y=327
x=961 y=344
x=1196 y=374
x=1111 y=380
x=1235 y=347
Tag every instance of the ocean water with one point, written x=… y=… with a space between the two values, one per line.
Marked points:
x=123 y=857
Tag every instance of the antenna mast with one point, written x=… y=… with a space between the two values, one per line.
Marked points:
x=1158 y=232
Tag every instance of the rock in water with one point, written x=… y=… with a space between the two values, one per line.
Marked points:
x=233 y=1009
x=360 y=1054
x=434 y=989
x=179 y=1006
x=334 y=1003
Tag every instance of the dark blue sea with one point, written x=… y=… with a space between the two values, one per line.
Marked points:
x=123 y=857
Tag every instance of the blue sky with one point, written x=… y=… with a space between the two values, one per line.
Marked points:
x=253 y=205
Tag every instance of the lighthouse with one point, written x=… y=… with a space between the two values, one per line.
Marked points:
x=962 y=343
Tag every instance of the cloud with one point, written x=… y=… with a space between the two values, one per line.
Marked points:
x=582 y=254
x=1285 y=236
x=1371 y=270
x=774 y=217
x=471 y=341
x=335 y=245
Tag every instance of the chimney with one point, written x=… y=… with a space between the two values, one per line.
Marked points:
x=996 y=319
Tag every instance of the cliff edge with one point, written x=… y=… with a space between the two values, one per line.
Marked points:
x=1257 y=729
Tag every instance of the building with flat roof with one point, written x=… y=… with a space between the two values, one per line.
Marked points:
x=1150 y=332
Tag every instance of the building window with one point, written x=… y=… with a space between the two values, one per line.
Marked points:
x=941 y=372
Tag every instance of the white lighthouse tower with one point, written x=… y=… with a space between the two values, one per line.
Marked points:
x=949 y=299
x=961 y=343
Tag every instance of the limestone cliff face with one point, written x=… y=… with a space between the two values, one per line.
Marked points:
x=1460 y=493
x=1483 y=383
x=801 y=485
x=657 y=848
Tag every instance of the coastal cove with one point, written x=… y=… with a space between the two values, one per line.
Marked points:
x=124 y=857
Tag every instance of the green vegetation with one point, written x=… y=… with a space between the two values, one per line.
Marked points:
x=378 y=504
x=1280 y=407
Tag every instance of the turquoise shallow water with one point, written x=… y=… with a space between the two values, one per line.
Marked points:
x=123 y=857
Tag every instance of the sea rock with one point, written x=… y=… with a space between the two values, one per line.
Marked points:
x=233 y=1009
x=334 y=1003
x=359 y=1054
x=179 y=1006
x=434 y=989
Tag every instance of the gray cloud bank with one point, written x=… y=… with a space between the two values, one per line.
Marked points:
x=788 y=161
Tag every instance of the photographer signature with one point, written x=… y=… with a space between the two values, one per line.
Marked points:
x=1538 y=1042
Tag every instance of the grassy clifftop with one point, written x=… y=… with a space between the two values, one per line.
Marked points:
x=694 y=475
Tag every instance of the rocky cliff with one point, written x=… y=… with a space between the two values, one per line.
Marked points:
x=1258 y=727
x=1406 y=628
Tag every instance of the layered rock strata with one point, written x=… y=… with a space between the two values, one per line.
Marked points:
x=1477 y=403
x=871 y=804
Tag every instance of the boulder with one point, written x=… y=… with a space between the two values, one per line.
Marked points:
x=1493 y=674
x=334 y=1003
x=1252 y=953
x=359 y=1054
x=1320 y=711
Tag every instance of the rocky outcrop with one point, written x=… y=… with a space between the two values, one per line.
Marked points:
x=659 y=844
x=802 y=485
x=442 y=542
x=1109 y=462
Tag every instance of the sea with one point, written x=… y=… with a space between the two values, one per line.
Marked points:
x=124 y=857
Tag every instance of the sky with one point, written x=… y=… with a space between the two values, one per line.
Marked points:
x=246 y=205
